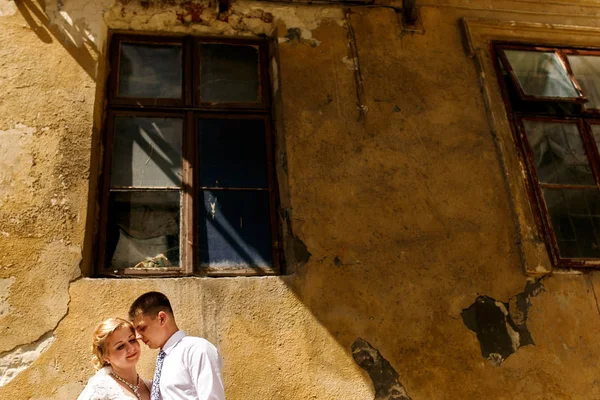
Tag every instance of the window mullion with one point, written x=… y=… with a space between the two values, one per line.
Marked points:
x=563 y=58
x=591 y=149
x=105 y=185
x=548 y=230
x=188 y=195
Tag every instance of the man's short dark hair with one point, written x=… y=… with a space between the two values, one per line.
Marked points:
x=150 y=304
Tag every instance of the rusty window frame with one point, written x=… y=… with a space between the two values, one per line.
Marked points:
x=584 y=119
x=190 y=109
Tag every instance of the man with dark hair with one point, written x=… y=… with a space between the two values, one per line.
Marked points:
x=187 y=367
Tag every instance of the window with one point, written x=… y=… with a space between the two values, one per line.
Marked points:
x=188 y=177
x=552 y=96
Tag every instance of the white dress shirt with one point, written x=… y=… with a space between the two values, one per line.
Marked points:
x=191 y=369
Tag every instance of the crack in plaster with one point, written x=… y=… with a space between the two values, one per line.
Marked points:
x=22 y=356
x=594 y=292
x=353 y=57
x=15 y=361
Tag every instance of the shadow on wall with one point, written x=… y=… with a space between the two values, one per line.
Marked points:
x=68 y=33
x=369 y=285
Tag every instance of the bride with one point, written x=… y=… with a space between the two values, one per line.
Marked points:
x=115 y=351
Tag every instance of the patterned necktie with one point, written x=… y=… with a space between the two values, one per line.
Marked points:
x=155 y=395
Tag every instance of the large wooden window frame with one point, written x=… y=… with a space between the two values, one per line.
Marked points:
x=583 y=120
x=191 y=109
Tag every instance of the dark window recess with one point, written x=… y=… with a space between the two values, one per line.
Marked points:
x=232 y=153
x=150 y=71
x=188 y=179
x=229 y=74
x=552 y=96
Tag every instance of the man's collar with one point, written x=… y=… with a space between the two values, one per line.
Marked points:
x=173 y=340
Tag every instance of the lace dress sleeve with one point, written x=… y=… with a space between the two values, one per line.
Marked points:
x=101 y=387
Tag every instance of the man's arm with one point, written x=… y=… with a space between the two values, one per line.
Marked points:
x=205 y=365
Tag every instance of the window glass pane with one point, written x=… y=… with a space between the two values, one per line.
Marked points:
x=150 y=71
x=558 y=153
x=143 y=229
x=235 y=230
x=587 y=72
x=232 y=153
x=229 y=73
x=575 y=216
x=147 y=152
x=541 y=74
x=596 y=134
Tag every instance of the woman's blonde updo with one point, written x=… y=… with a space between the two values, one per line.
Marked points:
x=101 y=334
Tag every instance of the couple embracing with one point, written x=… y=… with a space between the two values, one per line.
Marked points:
x=187 y=367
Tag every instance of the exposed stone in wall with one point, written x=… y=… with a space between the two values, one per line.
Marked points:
x=85 y=20
x=13 y=362
x=384 y=376
x=501 y=327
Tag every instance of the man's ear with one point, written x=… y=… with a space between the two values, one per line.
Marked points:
x=162 y=318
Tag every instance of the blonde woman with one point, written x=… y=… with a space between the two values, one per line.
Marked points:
x=116 y=352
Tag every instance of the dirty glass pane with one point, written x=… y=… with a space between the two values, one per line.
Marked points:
x=558 y=153
x=229 y=74
x=235 y=229
x=596 y=134
x=232 y=153
x=541 y=74
x=575 y=216
x=143 y=229
x=147 y=152
x=587 y=72
x=150 y=71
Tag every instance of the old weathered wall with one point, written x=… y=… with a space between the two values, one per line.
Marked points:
x=394 y=184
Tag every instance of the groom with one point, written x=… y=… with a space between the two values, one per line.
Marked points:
x=187 y=367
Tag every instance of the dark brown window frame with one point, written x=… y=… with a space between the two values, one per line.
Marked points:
x=584 y=120
x=562 y=56
x=190 y=109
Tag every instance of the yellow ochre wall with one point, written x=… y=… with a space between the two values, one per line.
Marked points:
x=402 y=182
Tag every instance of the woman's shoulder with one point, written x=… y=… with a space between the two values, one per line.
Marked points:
x=101 y=387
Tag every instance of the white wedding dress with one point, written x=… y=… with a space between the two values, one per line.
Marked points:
x=102 y=386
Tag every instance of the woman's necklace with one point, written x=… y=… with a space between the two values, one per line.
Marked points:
x=134 y=388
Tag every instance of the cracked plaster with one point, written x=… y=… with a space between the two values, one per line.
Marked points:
x=40 y=292
x=13 y=362
x=396 y=297
x=87 y=20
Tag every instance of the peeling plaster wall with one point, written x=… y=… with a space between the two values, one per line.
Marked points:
x=12 y=363
x=392 y=183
